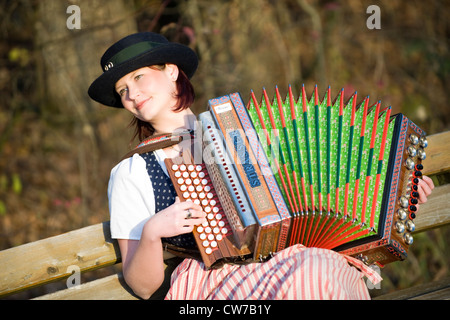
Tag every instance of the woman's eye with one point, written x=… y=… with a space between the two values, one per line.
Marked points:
x=122 y=92
x=138 y=77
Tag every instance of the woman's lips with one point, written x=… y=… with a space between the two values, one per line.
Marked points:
x=140 y=105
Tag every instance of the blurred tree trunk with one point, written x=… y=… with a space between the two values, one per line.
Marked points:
x=70 y=61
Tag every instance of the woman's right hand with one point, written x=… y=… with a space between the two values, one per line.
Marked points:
x=174 y=220
x=143 y=265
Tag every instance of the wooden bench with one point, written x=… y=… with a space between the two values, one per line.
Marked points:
x=91 y=248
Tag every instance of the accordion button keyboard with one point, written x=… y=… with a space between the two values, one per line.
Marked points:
x=194 y=183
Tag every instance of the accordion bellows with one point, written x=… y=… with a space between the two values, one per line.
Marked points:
x=315 y=171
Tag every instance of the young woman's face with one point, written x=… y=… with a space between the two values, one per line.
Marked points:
x=148 y=91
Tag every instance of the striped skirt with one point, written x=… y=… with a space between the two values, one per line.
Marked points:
x=295 y=273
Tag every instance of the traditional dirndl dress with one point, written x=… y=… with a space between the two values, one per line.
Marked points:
x=296 y=272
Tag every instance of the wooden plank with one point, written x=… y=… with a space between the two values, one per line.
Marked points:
x=438 y=154
x=48 y=260
x=442 y=294
x=436 y=211
x=112 y=287
x=429 y=291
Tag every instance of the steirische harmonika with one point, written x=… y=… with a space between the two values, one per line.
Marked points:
x=317 y=172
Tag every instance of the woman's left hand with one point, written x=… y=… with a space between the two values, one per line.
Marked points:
x=425 y=187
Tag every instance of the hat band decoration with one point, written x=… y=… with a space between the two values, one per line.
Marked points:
x=130 y=52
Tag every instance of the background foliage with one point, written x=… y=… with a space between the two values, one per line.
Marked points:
x=57 y=146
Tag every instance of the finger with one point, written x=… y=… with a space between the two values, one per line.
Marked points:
x=190 y=223
x=188 y=228
x=189 y=205
x=424 y=191
x=426 y=186
x=428 y=181
x=198 y=216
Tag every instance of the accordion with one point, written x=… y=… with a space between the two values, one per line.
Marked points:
x=317 y=172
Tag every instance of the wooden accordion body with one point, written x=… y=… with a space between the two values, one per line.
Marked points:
x=308 y=171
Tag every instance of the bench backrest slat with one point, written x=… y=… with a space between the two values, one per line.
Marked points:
x=48 y=260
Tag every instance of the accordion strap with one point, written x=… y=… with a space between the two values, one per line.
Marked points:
x=159 y=141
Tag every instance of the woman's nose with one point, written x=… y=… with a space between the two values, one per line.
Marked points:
x=133 y=93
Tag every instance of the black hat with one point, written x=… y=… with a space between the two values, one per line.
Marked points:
x=133 y=52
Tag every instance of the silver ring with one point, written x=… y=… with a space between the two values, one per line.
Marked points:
x=188 y=214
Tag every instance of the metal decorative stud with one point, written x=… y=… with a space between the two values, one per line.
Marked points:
x=404 y=202
x=421 y=154
x=108 y=66
x=402 y=214
x=414 y=139
x=400 y=226
x=408 y=238
x=423 y=142
x=412 y=151
x=409 y=163
x=410 y=226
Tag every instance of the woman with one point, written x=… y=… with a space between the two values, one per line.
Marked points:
x=149 y=77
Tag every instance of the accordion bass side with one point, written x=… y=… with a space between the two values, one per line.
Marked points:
x=333 y=175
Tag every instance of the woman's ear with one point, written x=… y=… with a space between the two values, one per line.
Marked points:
x=172 y=71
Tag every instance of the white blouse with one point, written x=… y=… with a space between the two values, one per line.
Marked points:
x=130 y=194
